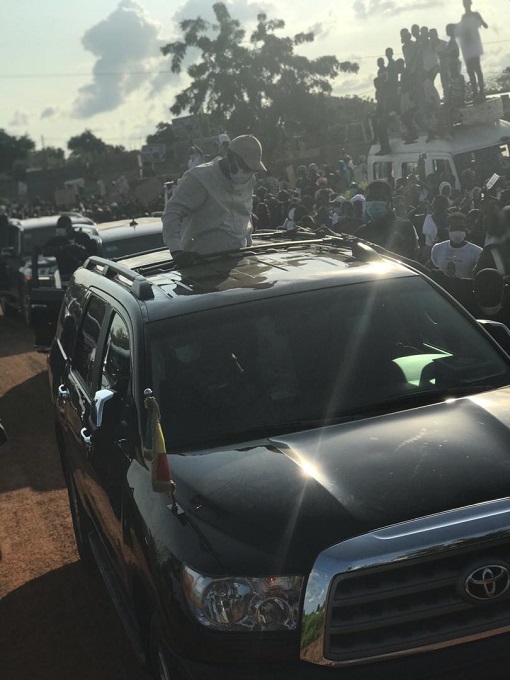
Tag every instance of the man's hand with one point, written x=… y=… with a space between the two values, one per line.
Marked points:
x=183 y=258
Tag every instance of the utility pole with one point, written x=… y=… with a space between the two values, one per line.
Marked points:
x=45 y=163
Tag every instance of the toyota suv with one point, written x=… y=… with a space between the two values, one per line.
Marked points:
x=288 y=462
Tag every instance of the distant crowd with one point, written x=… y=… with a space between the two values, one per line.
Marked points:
x=97 y=209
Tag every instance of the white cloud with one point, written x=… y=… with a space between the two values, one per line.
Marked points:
x=364 y=9
x=242 y=10
x=126 y=47
x=20 y=119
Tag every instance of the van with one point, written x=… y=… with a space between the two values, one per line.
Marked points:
x=483 y=146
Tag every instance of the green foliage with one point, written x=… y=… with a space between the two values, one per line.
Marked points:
x=13 y=149
x=86 y=144
x=49 y=157
x=312 y=626
x=163 y=135
x=500 y=83
x=260 y=85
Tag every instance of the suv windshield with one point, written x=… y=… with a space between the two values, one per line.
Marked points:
x=287 y=363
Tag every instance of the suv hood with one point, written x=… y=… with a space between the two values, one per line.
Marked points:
x=272 y=508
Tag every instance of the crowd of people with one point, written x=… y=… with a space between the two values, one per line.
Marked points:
x=426 y=220
x=97 y=209
x=405 y=88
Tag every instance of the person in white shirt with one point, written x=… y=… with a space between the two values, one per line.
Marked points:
x=468 y=32
x=210 y=208
x=456 y=257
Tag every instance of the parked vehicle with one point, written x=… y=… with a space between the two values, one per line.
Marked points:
x=483 y=144
x=23 y=236
x=111 y=240
x=332 y=499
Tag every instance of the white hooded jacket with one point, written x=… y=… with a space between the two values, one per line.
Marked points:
x=207 y=213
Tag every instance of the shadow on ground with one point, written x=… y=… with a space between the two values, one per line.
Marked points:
x=15 y=336
x=30 y=456
x=62 y=625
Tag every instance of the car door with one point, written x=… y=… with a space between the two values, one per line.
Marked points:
x=78 y=390
x=111 y=448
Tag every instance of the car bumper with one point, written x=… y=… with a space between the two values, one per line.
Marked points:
x=488 y=659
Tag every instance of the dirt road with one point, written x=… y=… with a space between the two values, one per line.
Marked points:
x=56 y=621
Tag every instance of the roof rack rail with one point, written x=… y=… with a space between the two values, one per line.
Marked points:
x=140 y=286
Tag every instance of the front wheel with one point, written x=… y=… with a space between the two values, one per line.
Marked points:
x=161 y=665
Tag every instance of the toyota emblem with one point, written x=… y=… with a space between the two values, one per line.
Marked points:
x=487 y=583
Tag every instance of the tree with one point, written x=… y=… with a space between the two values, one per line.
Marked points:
x=260 y=87
x=163 y=135
x=86 y=144
x=501 y=83
x=49 y=157
x=13 y=149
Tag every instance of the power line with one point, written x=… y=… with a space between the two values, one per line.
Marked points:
x=85 y=75
x=113 y=74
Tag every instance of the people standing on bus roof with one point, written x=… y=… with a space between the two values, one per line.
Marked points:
x=468 y=31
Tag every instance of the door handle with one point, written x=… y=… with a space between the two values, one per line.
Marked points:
x=63 y=392
x=86 y=438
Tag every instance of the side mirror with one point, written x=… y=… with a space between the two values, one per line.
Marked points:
x=101 y=405
x=489 y=287
x=499 y=332
x=7 y=251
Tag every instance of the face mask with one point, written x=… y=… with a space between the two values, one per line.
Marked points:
x=241 y=176
x=457 y=236
x=61 y=232
x=376 y=209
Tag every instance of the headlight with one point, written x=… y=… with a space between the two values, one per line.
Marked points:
x=270 y=603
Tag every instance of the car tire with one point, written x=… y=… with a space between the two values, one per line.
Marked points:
x=81 y=523
x=160 y=665
x=8 y=309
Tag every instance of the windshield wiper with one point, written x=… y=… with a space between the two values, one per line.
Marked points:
x=419 y=398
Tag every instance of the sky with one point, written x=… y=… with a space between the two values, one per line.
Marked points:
x=52 y=52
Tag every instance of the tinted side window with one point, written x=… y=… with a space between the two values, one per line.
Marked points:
x=116 y=366
x=442 y=166
x=409 y=168
x=66 y=327
x=88 y=339
x=13 y=238
x=36 y=238
x=383 y=170
x=131 y=246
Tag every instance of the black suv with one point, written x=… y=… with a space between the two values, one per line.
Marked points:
x=16 y=248
x=111 y=240
x=333 y=496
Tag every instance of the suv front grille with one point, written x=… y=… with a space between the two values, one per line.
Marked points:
x=411 y=606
